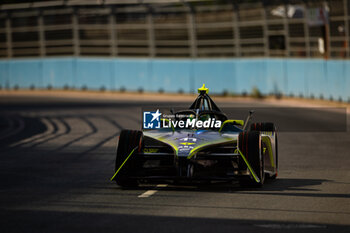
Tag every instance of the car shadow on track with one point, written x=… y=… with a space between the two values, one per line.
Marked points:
x=280 y=186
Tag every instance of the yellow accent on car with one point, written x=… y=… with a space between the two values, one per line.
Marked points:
x=187 y=143
x=123 y=163
x=269 y=149
x=173 y=146
x=203 y=146
x=256 y=178
x=150 y=150
x=163 y=139
x=203 y=89
x=234 y=122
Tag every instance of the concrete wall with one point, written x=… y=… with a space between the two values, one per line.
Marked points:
x=298 y=77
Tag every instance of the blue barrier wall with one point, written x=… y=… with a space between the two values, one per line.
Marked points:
x=299 y=77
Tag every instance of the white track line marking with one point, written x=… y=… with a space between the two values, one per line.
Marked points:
x=149 y=193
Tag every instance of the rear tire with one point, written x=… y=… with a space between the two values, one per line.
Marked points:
x=249 y=145
x=128 y=140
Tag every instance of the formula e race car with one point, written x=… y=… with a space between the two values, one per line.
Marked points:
x=199 y=145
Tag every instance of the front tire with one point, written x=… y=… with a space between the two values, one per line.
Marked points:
x=276 y=150
x=263 y=126
x=250 y=146
x=270 y=127
x=128 y=141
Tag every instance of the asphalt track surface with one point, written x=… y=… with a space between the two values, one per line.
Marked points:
x=57 y=155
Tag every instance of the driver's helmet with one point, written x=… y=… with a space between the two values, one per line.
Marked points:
x=191 y=116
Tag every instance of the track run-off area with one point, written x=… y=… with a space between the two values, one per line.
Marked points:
x=57 y=154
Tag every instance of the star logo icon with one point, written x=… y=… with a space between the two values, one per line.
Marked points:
x=156 y=115
x=151 y=120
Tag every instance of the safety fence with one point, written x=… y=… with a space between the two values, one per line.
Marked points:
x=310 y=78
